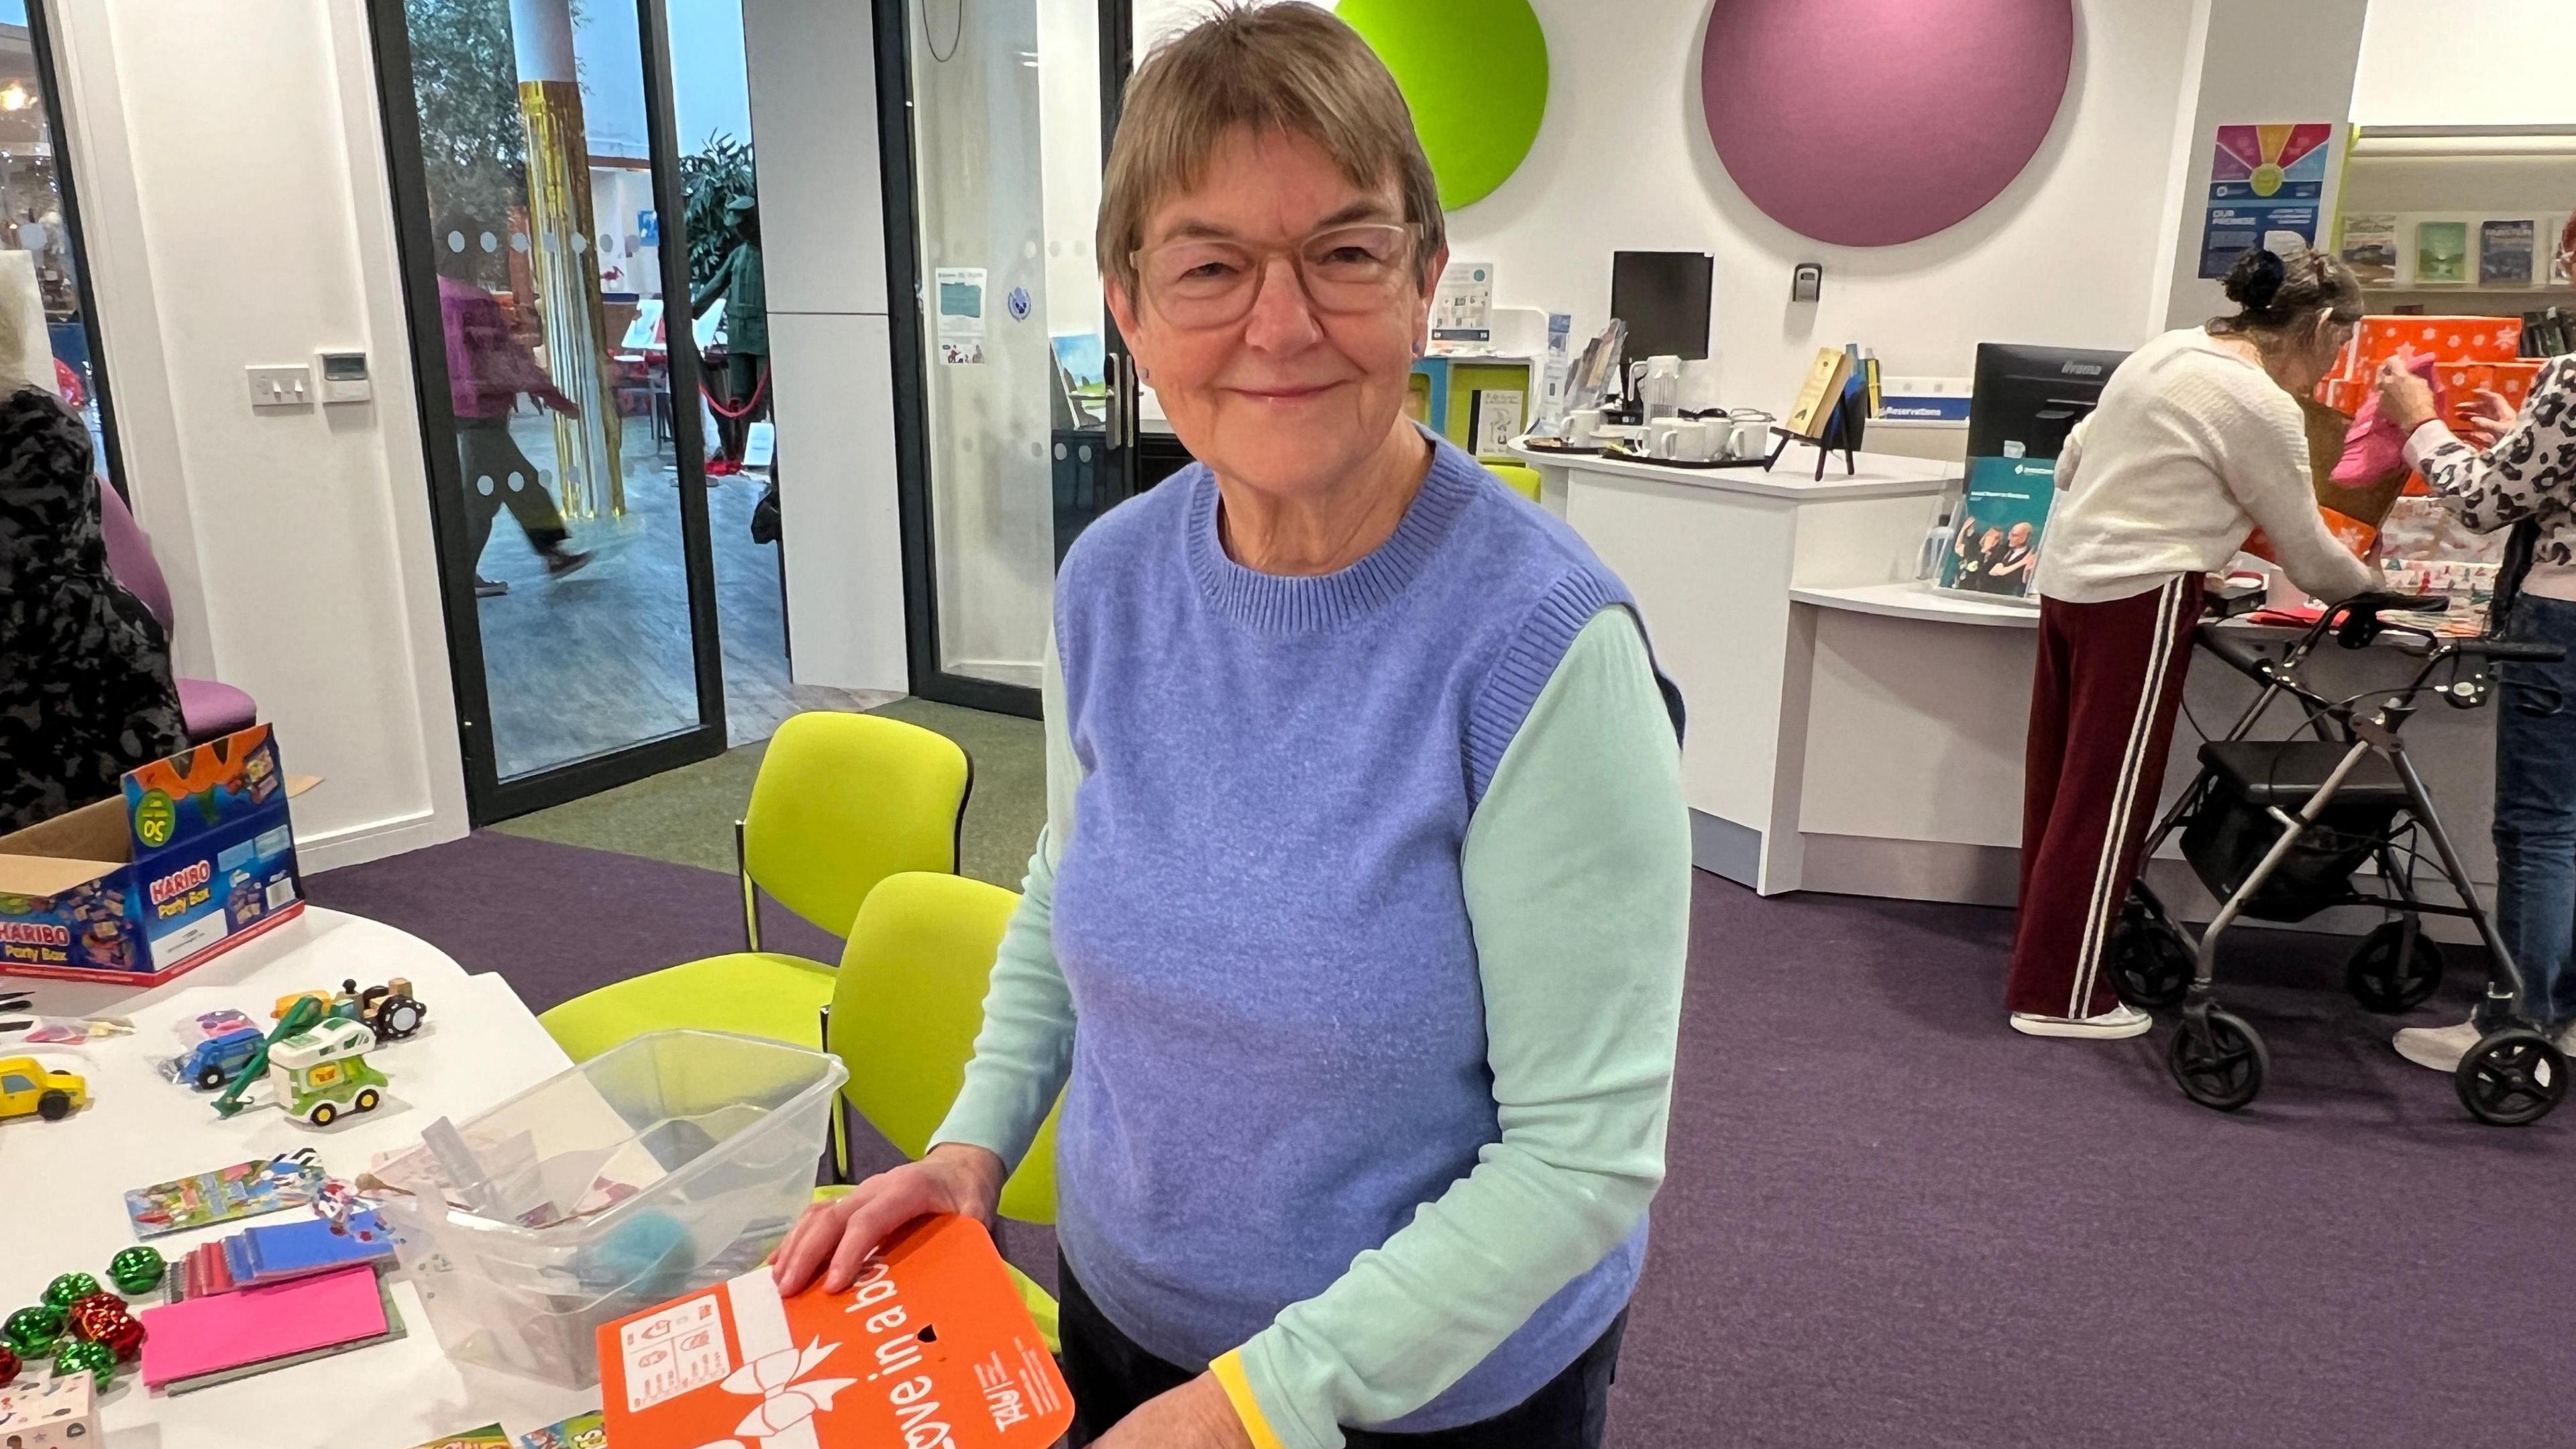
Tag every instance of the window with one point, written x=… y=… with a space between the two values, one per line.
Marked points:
x=38 y=216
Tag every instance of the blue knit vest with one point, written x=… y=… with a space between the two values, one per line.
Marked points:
x=1280 y=1040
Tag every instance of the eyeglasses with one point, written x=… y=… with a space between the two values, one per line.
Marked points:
x=1196 y=282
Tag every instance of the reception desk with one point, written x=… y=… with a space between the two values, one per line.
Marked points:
x=1854 y=731
x=1712 y=556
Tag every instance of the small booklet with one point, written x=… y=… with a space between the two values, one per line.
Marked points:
x=227 y=1194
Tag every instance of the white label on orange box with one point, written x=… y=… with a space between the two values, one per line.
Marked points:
x=674 y=1351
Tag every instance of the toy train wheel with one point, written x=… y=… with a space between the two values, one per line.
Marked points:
x=2387 y=978
x=54 y=1106
x=2511 y=1078
x=2151 y=965
x=323 y=1115
x=210 y=1079
x=398 y=1017
x=367 y=1100
x=2219 y=1062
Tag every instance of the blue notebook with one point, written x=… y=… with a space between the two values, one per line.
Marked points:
x=295 y=1250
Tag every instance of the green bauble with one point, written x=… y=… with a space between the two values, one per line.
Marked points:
x=32 y=1331
x=136 y=1270
x=69 y=1289
x=79 y=1355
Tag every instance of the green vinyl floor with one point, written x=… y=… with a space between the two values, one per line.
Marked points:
x=686 y=815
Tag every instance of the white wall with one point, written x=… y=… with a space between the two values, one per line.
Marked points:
x=813 y=100
x=231 y=169
x=2066 y=255
x=2467 y=63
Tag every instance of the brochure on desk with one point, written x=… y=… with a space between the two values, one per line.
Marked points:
x=2001 y=525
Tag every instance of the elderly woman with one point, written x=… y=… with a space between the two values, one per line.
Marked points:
x=1355 y=936
x=2518 y=471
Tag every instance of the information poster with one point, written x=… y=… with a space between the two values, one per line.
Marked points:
x=960 y=292
x=2263 y=179
x=1462 y=309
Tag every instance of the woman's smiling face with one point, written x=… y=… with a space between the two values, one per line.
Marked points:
x=1290 y=396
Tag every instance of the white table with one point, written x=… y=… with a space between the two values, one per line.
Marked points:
x=64 y=1183
x=1712 y=555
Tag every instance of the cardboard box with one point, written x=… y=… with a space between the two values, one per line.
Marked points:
x=194 y=855
x=930 y=1347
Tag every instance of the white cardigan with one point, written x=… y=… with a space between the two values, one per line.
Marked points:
x=2192 y=447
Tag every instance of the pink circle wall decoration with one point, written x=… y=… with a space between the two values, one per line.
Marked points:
x=1871 y=122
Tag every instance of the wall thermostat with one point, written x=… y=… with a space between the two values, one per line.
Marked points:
x=1807 y=282
x=344 y=376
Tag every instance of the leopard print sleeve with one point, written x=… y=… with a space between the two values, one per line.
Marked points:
x=2529 y=473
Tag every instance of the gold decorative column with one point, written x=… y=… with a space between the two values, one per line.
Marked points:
x=560 y=240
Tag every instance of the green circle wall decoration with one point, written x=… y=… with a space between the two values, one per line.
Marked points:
x=1475 y=74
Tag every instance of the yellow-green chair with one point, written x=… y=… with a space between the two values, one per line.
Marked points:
x=841 y=802
x=904 y=1015
x=1524 y=481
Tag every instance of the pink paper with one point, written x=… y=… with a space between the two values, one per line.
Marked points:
x=253 y=1325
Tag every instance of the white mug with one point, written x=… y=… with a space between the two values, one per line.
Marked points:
x=1680 y=440
x=1749 y=435
x=1583 y=427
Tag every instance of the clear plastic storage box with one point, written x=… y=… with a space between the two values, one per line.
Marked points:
x=661 y=1167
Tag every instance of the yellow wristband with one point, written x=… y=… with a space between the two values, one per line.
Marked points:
x=1228 y=1369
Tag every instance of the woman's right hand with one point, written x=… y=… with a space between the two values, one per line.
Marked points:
x=834 y=1238
x=2490 y=418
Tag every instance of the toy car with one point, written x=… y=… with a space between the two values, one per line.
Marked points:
x=212 y=1062
x=28 y=1086
x=390 y=1010
x=322 y=1074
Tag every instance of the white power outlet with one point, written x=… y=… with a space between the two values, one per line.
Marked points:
x=281 y=387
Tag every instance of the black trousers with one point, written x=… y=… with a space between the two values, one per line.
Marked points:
x=490 y=452
x=1111 y=1376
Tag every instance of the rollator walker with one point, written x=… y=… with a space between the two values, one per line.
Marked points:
x=2277 y=829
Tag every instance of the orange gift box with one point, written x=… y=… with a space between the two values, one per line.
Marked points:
x=930 y=1349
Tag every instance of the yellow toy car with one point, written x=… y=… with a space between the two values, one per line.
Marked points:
x=29 y=1086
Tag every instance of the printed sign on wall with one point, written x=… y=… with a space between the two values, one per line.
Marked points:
x=2263 y=179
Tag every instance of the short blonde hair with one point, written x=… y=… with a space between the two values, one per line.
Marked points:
x=1290 y=68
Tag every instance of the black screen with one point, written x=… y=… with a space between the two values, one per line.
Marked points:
x=1663 y=297
x=2033 y=396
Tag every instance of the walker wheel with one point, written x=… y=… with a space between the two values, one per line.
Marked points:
x=2218 y=1062
x=2151 y=966
x=2379 y=979
x=2511 y=1077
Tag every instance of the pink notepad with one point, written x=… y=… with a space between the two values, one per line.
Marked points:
x=253 y=1325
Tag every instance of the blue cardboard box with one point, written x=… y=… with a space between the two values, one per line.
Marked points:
x=194 y=855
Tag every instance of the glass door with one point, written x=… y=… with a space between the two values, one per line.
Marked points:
x=537 y=201
x=1014 y=416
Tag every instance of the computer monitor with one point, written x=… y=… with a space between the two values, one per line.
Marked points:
x=2029 y=398
x=1663 y=297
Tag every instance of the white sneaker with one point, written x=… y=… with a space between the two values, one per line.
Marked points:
x=2120 y=1021
x=2438 y=1047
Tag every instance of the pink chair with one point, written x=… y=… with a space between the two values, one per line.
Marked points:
x=210 y=708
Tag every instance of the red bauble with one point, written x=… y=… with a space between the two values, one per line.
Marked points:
x=103 y=1318
x=8 y=1365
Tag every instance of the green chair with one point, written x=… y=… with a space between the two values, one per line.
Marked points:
x=903 y=1018
x=842 y=801
x=1524 y=481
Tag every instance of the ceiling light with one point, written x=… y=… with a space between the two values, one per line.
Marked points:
x=13 y=97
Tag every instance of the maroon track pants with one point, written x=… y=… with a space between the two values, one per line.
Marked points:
x=2102 y=708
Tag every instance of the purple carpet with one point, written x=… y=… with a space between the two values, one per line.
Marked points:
x=1891 y=1222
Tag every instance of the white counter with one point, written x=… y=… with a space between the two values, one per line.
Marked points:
x=1914 y=709
x=1712 y=556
